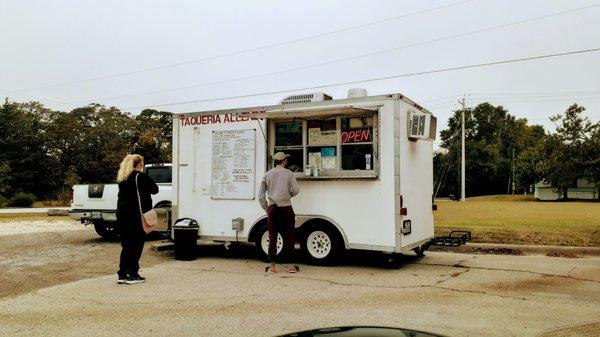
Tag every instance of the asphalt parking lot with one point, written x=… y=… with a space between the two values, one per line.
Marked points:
x=229 y=293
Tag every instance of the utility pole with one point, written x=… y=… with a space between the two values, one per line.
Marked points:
x=513 y=171
x=462 y=162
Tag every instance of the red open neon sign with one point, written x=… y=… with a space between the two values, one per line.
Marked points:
x=356 y=136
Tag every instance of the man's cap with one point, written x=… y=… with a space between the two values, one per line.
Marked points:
x=280 y=156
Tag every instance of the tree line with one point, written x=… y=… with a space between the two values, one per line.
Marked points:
x=44 y=152
x=505 y=153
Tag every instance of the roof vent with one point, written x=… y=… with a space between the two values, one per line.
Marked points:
x=306 y=98
x=357 y=92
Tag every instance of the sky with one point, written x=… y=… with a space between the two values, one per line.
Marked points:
x=151 y=54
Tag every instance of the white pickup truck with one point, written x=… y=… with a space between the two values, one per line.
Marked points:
x=97 y=203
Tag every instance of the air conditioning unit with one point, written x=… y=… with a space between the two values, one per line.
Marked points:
x=421 y=126
x=306 y=98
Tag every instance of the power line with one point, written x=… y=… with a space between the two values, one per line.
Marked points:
x=243 y=51
x=451 y=142
x=514 y=97
x=588 y=92
x=445 y=98
x=525 y=100
x=487 y=64
x=350 y=58
x=450 y=155
x=31 y=96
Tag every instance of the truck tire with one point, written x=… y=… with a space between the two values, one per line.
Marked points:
x=107 y=230
x=322 y=244
x=262 y=243
x=161 y=235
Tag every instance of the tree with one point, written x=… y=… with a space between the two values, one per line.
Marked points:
x=565 y=158
x=493 y=141
x=4 y=178
x=154 y=138
x=45 y=152
x=591 y=154
x=91 y=141
x=527 y=170
x=26 y=164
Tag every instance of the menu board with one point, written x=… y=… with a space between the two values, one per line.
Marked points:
x=233 y=164
x=316 y=136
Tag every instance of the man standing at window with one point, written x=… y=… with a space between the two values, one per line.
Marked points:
x=279 y=185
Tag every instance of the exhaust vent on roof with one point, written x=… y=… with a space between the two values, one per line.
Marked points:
x=357 y=92
x=306 y=98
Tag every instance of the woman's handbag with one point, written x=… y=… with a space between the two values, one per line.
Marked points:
x=150 y=218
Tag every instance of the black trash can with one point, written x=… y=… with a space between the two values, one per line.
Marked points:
x=185 y=232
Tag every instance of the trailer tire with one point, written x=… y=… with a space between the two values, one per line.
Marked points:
x=321 y=244
x=107 y=230
x=262 y=243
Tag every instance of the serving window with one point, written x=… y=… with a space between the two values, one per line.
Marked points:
x=342 y=146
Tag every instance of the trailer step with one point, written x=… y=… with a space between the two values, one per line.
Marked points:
x=455 y=239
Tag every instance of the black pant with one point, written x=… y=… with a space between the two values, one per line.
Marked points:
x=132 y=241
x=281 y=220
x=132 y=245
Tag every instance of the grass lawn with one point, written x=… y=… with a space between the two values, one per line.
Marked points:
x=522 y=220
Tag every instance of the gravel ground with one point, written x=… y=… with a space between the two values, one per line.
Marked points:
x=38 y=226
x=55 y=252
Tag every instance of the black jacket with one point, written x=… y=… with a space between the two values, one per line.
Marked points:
x=127 y=202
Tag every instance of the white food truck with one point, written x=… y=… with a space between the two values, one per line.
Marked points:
x=364 y=165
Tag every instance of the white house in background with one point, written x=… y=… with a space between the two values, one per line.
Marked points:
x=583 y=191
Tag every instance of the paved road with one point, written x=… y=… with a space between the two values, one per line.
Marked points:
x=27 y=210
x=448 y=293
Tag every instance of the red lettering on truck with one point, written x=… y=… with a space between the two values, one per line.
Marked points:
x=212 y=119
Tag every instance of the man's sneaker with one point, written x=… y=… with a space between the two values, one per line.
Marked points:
x=135 y=279
x=121 y=279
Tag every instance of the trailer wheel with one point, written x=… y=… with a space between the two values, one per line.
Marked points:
x=262 y=243
x=107 y=230
x=321 y=244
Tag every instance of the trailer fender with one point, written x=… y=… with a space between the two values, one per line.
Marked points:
x=163 y=204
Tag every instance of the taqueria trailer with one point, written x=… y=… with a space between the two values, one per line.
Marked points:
x=364 y=167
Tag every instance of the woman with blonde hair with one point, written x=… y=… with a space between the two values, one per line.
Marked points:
x=135 y=189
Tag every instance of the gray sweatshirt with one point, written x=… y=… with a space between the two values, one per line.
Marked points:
x=280 y=185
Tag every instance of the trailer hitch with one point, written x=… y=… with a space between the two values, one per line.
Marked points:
x=454 y=239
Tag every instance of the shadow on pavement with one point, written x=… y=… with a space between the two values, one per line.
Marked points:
x=356 y=258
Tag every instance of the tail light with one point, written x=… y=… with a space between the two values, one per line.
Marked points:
x=72 y=194
x=403 y=210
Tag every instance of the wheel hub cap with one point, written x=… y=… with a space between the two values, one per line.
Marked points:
x=319 y=244
x=265 y=243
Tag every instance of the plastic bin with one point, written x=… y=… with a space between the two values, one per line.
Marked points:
x=185 y=232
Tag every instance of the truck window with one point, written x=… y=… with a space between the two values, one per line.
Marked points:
x=160 y=174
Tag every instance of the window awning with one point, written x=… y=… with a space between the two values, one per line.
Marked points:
x=313 y=113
